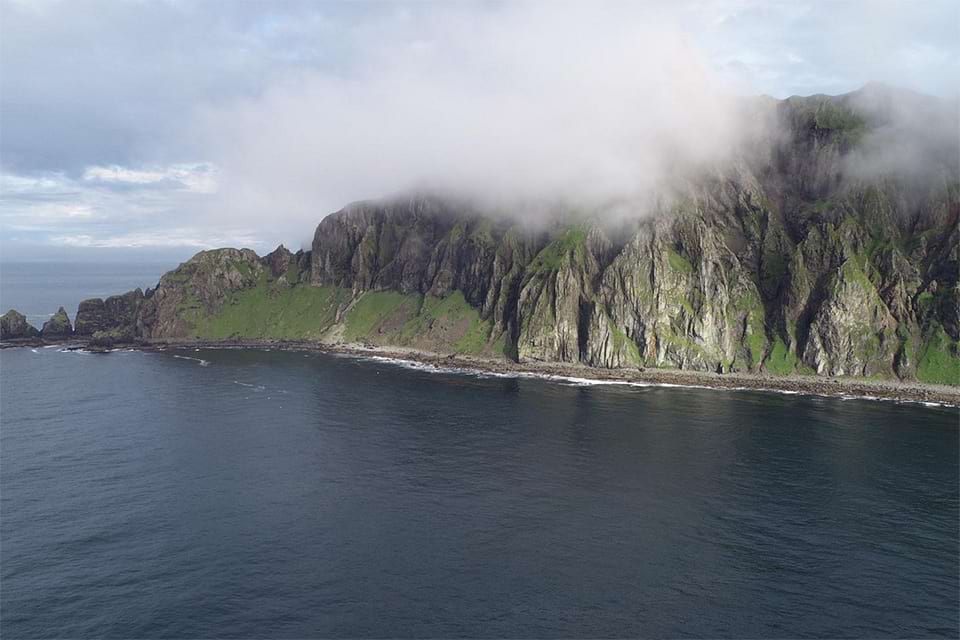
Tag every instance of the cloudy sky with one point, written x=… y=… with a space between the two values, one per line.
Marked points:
x=159 y=128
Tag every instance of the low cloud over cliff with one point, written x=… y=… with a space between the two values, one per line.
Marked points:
x=236 y=120
x=530 y=101
x=527 y=100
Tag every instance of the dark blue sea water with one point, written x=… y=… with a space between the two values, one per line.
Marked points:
x=38 y=289
x=248 y=494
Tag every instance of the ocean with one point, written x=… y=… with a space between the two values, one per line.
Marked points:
x=256 y=493
x=38 y=289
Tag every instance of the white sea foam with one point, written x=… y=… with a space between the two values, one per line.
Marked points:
x=590 y=382
x=256 y=387
x=200 y=361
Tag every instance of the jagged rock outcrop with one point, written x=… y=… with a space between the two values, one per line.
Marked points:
x=14 y=326
x=278 y=261
x=197 y=288
x=58 y=326
x=117 y=315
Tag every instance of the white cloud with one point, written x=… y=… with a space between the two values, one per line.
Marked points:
x=131 y=118
x=115 y=206
x=528 y=100
x=200 y=177
x=197 y=238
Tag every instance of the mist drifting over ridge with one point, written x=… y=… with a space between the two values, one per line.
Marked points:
x=530 y=102
x=244 y=125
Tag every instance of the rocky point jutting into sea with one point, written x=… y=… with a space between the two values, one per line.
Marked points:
x=783 y=263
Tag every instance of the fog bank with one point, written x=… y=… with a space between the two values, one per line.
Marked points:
x=572 y=102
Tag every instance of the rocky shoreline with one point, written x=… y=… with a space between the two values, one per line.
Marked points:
x=892 y=390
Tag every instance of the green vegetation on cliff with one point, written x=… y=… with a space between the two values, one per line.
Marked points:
x=678 y=262
x=426 y=322
x=273 y=309
x=939 y=359
x=780 y=361
x=623 y=344
x=293 y=313
x=373 y=309
x=551 y=257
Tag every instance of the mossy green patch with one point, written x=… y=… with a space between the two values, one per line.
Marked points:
x=879 y=246
x=623 y=344
x=678 y=262
x=840 y=120
x=757 y=343
x=924 y=302
x=755 y=336
x=551 y=257
x=939 y=359
x=242 y=267
x=853 y=271
x=781 y=361
x=371 y=309
x=475 y=339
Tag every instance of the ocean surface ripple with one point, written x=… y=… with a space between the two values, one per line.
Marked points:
x=255 y=493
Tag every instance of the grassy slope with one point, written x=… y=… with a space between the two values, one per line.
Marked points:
x=305 y=312
x=444 y=324
x=299 y=312
x=939 y=359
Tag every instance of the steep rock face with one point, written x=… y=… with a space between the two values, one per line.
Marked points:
x=782 y=263
x=718 y=282
x=117 y=314
x=14 y=325
x=58 y=326
x=278 y=261
x=429 y=246
x=853 y=331
x=555 y=297
x=385 y=246
x=679 y=310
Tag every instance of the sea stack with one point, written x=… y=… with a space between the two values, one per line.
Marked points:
x=57 y=326
x=14 y=326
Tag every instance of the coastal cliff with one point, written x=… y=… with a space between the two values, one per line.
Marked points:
x=781 y=262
